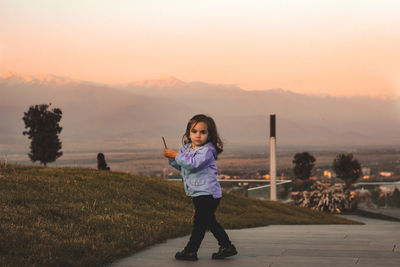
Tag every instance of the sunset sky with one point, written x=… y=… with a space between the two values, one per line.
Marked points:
x=338 y=47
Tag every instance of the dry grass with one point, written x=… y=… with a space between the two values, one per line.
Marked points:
x=85 y=217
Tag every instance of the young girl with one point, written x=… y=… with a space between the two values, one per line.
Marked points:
x=196 y=161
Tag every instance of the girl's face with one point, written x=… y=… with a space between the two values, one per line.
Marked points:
x=198 y=134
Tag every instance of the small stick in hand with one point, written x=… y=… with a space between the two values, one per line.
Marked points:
x=165 y=144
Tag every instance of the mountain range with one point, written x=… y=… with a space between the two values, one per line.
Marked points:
x=100 y=117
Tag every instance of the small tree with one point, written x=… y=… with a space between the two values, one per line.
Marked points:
x=347 y=168
x=303 y=165
x=43 y=125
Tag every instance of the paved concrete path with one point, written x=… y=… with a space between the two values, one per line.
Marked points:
x=375 y=244
x=392 y=212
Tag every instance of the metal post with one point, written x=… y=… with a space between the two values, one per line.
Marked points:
x=272 y=156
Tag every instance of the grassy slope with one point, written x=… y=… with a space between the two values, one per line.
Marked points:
x=75 y=216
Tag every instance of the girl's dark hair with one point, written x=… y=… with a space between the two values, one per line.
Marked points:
x=213 y=136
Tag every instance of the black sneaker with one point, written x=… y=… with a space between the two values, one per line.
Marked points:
x=186 y=256
x=224 y=252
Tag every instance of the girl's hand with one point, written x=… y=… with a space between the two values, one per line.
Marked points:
x=170 y=153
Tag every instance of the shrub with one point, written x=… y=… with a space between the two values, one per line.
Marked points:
x=395 y=198
x=376 y=198
x=321 y=197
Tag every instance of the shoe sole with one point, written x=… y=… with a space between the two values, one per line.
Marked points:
x=223 y=257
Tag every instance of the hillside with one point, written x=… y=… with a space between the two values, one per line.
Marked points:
x=134 y=116
x=85 y=217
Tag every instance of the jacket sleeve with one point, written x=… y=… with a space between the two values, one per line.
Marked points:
x=194 y=161
x=173 y=163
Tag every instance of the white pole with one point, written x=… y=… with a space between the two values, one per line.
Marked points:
x=273 y=167
x=272 y=156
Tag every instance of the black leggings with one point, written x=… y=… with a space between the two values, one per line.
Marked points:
x=204 y=218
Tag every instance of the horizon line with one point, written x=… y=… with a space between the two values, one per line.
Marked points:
x=43 y=77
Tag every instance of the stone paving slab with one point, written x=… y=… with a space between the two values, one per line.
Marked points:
x=377 y=243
